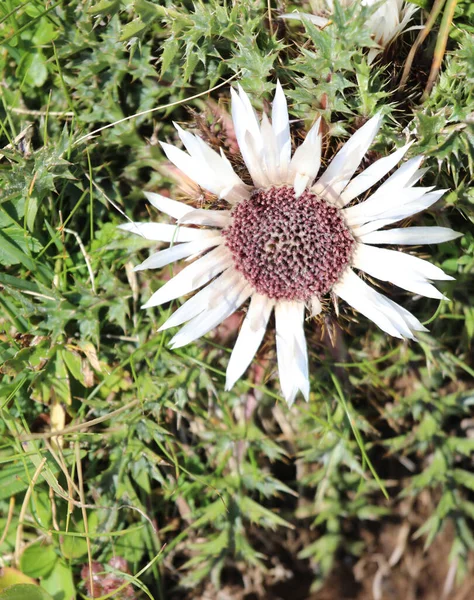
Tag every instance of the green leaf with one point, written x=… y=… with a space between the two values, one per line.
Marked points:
x=74 y=546
x=74 y=364
x=10 y=577
x=170 y=49
x=13 y=247
x=428 y=427
x=24 y=591
x=38 y=560
x=130 y=546
x=36 y=71
x=465 y=478
x=133 y=29
x=104 y=6
x=60 y=583
x=257 y=513
x=45 y=33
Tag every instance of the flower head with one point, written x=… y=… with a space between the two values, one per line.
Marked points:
x=388 y=21
x=289 y=238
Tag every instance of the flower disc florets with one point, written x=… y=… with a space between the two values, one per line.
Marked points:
x=286 y=247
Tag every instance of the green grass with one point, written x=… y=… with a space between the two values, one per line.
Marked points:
x=198 y=488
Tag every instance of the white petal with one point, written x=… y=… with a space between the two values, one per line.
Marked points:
x=251 y=116
x=406 y=271
x=203 y=323
x=297 y=16
x=197 y=170
x=163 y=232
x=300 y=183
x=270 y=152
x=395 y=206
x=378 y=203
x=227 y=182
x=412 y=322
x=411 y=235
x=395 y=213
x=248 y=135
x=203 y=299
x=316 y=306
x=346 y=161
x=202 y=152
x=250 y=337
x=281 y=127
x=206 y=167
x=360 y=230
x=165 y=257
x=171 y=207
x=373 y=174
x=192 y=277
x=403 y=175
x=234 y=192
x=306 y=160
x=291 y=349
x=386 y=259
x=360 y=296
x=385 y=313
x=372 y=54
x=415 y=178
x=200 y=216
x=256 y=166
x=301 y=352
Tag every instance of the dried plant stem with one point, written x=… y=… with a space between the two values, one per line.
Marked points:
x=82 y=498
x=80 y=426
x=152 y=110
x=11 y=508
x=24 y=507
x=41 y=113
x=85 y=255
x=440 y=48
x=437 y=8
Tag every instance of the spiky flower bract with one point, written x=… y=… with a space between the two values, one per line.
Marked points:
x=290 y=238
x=389 y=19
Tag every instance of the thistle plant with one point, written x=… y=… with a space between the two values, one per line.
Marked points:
x=258 y=182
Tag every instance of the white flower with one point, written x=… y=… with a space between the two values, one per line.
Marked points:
x=289 y=239
x=385 y=24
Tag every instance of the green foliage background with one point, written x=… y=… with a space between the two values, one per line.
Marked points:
x=192 y=485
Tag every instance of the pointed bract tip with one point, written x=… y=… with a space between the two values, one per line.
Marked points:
x=175 y=344
x=377 y=118
x=178 y=127
x=149 y=196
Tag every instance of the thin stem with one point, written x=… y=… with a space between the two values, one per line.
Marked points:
x=440 y=48
x=437 y=7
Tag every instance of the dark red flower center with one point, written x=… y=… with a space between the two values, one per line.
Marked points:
x=289 y=248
